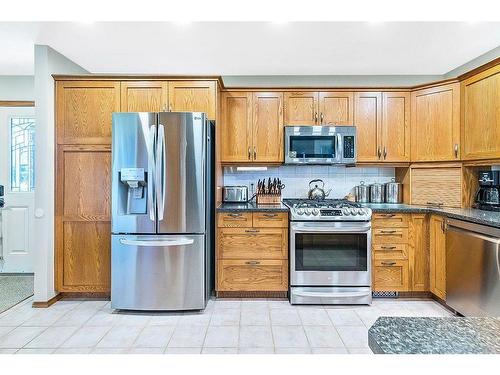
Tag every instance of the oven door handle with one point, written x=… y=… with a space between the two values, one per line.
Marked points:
x=332 y=295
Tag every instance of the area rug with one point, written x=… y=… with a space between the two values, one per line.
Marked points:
x=14 y=289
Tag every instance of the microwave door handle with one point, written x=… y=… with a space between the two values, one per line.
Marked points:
x=151 y=172
x=339 y=148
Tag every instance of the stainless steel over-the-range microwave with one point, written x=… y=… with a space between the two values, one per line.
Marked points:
x=320 y=145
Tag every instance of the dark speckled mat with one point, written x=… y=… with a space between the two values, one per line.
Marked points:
x=14 y=289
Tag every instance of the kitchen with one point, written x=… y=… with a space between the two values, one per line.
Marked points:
x=197 y=216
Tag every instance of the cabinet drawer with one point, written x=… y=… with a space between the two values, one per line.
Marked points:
x=389 y=220
x=252 y=243
x=390 y=275
x=252 y=275
x=390 y=251
x=390 y=235
x=270 y=219
x=234 y=219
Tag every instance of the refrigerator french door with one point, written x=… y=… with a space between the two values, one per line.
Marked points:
x=162 y=209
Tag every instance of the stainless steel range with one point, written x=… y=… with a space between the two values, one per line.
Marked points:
x=330 y=252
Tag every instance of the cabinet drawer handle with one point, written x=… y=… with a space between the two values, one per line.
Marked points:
x=436 y=204
x=388 y=215
x=270 y=215
x=388 y=263
x=252 y=262
x=254 y=153
x=456 y=150
x=387 y=231
x=252 y=231
x=388 y=247
x=234 y=215
x=315 y=117
x=322 y=118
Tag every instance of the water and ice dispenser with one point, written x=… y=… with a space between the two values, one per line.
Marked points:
x=134 y=190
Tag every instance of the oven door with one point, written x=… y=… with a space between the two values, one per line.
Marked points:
x=330 y=254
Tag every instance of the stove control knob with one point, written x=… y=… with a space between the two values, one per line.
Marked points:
x=300 y=211
x=345 y=211
x=315 y=211
x=354 y=211
x=307 y=211
x=361 y=211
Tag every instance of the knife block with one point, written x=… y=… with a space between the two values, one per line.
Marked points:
x=268 y=198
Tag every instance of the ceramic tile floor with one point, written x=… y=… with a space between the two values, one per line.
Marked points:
x=225 y=327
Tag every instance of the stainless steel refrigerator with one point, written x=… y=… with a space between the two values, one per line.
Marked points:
x=162 y=211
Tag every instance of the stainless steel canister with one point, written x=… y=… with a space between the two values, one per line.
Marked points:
x=377 y=193
x=362 y=193
x=394 y=192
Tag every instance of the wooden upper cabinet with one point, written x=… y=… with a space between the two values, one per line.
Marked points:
x=435 y=123
x=83 y=111
x=144 y=96
x=301 y=108
x=192 y=96
x=336 y=108
x=395 y=137
x=481 y=115
x=236 y=127
x=368 y=121
x=267 y=127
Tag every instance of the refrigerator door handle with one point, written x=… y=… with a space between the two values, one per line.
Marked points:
x=163 y=243
x=160 y=172
x=151 y=173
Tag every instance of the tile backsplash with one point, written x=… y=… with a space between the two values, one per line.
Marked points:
x=296 y=178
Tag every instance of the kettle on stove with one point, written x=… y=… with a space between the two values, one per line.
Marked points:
x=317 y=192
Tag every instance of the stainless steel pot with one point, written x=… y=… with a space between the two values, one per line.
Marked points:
x=377 y=193
x=394 y=192
x=362 y=193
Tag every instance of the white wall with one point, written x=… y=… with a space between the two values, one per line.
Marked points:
x=296 y=178
x=17 y=87
x=47 y=62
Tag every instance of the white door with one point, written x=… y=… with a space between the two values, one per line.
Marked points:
x=17 y=176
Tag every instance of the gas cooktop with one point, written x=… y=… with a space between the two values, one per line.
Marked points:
x=327 y=210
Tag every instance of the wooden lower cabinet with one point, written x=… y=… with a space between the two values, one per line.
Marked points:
x=437 y=256
x=390 y=275
x=252 y=252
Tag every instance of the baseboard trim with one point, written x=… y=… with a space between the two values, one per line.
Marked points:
x=102 y=296
x=50 y=302
x=417 y=295
x=242 y=294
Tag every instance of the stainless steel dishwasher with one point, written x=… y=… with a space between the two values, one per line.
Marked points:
x=472 y=268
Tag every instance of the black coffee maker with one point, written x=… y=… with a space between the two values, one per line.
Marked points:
x=488 y=195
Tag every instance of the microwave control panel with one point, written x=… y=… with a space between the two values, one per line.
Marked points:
x=348 y=147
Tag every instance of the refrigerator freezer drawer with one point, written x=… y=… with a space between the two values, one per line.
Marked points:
x=153 y=272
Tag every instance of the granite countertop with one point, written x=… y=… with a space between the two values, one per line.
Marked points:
x=450 y=335
x=468 y=214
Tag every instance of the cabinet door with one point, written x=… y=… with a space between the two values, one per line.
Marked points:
x=418 y=253
x=481 y=115
x=436 y=186
x=252 y=275
x=267 y=134
x=336 y=108
x=83 y=111
x=437 y=257
x=236 y=126
x=192 y=96
x=395 y=138
x=390 y=275
x=435 y=123
x=144 y=96
x=368 y=120
x=301 y=108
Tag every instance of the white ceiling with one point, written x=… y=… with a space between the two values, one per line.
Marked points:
x=259 y=48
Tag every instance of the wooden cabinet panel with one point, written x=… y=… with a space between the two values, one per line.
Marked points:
x=390 y=251
x=390 y=275
x=437 y=257
x=83 y=111
x=395 y=137
x=267 y=134
x=252 y=243
x=144 y=96
x=252 y=275
x=236 y=126
x=389 y=220
x=418 y=253
x=336 y=108
x=234 y=219
x=481 y=115
x=192 y=96
x=85 y=258
x=270 y=219
x=390 y=235
x=301 y=108
x=431 y=186
x=368 y=121
x=84 y=198
x=435 y=123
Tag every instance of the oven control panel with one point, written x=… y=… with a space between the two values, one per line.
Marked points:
x=330 y=212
